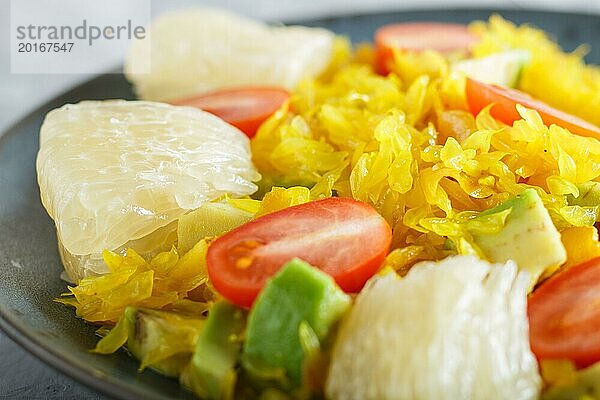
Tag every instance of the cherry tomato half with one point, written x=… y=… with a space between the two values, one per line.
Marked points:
x=418 y=36
x=245 y=108
x=480 y=95
x=564 y=315
x=343 y=237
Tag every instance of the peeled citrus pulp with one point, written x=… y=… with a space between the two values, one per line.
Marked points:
x=115 y=173
x=203 y=49
x=456 y=329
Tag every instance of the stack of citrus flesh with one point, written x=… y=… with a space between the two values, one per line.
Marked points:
x=116 y=172
x=444 y=175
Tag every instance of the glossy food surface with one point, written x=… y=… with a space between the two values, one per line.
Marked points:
x=29 y=262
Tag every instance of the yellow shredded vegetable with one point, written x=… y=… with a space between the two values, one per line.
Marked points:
x=406 y=144
x=280 y=198
x=577 y=91
x=162 y=283
x=163 y=340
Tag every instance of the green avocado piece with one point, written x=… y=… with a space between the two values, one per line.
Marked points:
x=162 y=340
x=210 y=219
x=528 y=237
x=297 y=295
x=211 y=373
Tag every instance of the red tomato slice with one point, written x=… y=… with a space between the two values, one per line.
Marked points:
x=244 y=108
x=419 y=36
x=343 y=237
x=480 y=95
x=564 y=316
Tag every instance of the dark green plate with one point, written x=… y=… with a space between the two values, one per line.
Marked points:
x=29 y=263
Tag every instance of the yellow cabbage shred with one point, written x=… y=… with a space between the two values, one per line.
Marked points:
x=279 y=198
x=169 y=281
x=162 y=283
x=560 y=79
x=406 y=144
x=163 y=340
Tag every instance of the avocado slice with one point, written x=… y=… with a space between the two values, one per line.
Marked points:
x=210 y=219
x=297 y=295
x=211 y=373
x=501 y=68
x=528 y=237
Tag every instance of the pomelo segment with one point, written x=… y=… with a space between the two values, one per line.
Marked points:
x=455 y=329
x=113 y=172
x=203 y=49
x=80 y=266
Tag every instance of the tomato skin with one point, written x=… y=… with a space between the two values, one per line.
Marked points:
x=418 y=36
x=480 y=95
x=343 y=237
x=564 y=316
x=245 y=108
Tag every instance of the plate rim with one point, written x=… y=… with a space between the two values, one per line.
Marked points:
x=101 y=383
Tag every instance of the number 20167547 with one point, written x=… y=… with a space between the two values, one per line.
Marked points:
x=45 y=47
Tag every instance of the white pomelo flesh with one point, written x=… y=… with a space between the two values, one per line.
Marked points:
x=81 y=266
x=456 y=329
x=203 y=49
x=112 y=172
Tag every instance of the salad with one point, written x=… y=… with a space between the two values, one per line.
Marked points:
x=285 y=215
